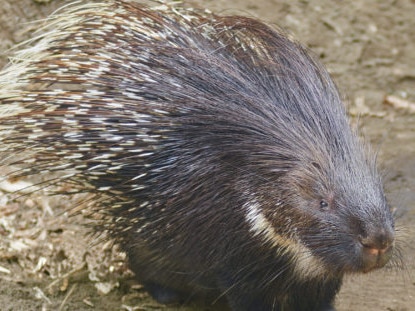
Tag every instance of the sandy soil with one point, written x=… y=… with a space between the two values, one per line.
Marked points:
x=47 y=261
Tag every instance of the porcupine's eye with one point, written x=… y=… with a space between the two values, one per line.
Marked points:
x=324 y=205
x=316 y=165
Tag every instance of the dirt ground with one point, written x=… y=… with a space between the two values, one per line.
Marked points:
x=47 y=262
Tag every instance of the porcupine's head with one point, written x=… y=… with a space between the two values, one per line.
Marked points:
x=320 y=197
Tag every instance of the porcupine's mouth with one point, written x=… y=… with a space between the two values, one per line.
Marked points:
x=376 y=249
x=367 y=258
x=374 y=258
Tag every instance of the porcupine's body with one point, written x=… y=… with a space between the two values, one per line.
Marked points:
x=220 y=151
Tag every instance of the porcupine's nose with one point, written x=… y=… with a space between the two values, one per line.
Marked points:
x=377 y=247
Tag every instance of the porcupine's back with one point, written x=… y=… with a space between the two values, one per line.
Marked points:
x=207 y=139
x=116 y=92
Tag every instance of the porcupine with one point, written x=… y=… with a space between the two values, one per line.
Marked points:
x=219 y=148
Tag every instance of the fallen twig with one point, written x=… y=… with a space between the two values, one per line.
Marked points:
x=399 y=103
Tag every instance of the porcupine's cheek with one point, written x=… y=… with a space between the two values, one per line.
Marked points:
x=336 y=251
x=306 y=265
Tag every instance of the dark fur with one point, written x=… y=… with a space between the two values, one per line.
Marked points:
x=222 y=115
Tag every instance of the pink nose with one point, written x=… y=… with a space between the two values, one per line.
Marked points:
x=376 y=250
x=380 y=240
